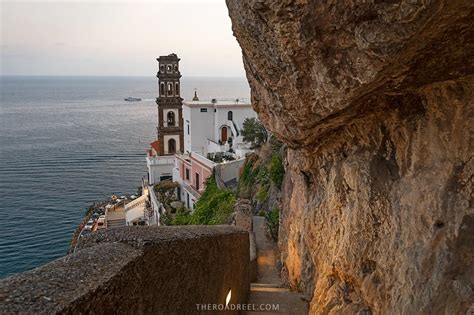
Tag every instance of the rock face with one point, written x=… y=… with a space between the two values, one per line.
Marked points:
x=375 y=100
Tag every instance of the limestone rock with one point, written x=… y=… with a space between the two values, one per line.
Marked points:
x=375 y=101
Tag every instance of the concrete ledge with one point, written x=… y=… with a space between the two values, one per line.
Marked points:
x=139 y=270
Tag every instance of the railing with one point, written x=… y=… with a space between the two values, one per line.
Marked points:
x=203 y=160
x=233 y=127
x=159 y=160
x=213 y=146
x=191 y=189
x=155 y=205
x=135 y=203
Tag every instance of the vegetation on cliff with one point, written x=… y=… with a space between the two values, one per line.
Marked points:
x=214 y=207
x=165 y=192
x=254 y=132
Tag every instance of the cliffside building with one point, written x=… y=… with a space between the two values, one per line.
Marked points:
x=208 y=125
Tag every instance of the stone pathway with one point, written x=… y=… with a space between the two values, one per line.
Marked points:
x=269 y=288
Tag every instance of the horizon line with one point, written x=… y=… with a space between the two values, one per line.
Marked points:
x=120 y=75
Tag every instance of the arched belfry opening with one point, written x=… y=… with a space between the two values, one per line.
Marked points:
x=171 y=120
x=171 y=146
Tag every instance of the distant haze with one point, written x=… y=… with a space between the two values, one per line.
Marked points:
x=116 y=37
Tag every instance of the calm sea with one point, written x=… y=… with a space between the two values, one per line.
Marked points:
x=66 y=142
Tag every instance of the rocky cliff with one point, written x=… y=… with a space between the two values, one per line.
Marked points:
x=375 y=101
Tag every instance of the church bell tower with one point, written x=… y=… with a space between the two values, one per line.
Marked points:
x=170 y=106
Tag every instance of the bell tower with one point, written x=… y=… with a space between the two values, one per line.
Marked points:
x=170 y=106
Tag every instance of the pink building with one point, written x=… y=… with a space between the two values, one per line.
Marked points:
x=191 y=171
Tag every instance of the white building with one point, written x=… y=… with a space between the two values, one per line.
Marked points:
x=160 y=167
x=144 y=210
x=208 y=125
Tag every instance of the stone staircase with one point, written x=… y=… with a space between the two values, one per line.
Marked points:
x=116 y=218
x=269 y=288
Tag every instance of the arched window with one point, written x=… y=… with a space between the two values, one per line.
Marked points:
x=162 y=89
x=170 y=89
x=229 y=115
x=162 y=68
x=170 y=119
x=176 y=88
x=176 y=68
x=168 y=68
x=171 y=146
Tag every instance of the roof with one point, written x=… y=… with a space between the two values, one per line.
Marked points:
x=218 y=103
x=156 y=145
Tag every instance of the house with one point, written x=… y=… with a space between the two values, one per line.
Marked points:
x=208 y=125
x=191 y=172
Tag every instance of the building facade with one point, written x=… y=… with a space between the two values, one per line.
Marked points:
x=208 y=125
x=191 y=172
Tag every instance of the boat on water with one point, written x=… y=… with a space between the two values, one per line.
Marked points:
x=132 y=99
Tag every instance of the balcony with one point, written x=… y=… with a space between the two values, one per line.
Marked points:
x=191 y=190
x=159 y=160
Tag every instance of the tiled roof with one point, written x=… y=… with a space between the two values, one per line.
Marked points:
x=156 y=145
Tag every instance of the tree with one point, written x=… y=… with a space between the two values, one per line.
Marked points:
x=166 y=192
x=254 y=132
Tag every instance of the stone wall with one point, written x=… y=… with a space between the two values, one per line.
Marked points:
x=137 y=270
x=375 y=102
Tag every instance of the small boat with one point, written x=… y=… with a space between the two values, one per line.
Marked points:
x=132 y=99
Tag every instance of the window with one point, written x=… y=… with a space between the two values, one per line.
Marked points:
x=162 y=89
x=170 y=89
x=168 y=68
x=203 y=110
x=187 y=173
x=176 y=89
x=176 y=68
x=162 y=68
x=188 y=128
x=224 y=136
x=229 y=115
x=170 y=119
x=171 y=146
x=197 y=181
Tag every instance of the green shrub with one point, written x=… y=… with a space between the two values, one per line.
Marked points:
x=166 y=219
x=247 y=173
x=182 y=217
x=262 y=193
x=261 y=213
x=254 y=132
x=165 y=192
x=215 y=205
x=277 y=170
x=272 y=221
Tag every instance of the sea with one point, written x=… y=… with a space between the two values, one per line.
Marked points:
x=66 y=142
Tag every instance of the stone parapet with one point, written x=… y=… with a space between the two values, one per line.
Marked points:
x=139 y=270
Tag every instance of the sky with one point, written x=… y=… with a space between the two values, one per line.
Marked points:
x=112 y=38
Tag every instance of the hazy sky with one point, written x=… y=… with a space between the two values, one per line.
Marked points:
x=116 y=37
